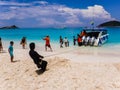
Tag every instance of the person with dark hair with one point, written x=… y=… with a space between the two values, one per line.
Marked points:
x=79 y=40
x=1 y=47
x=10 y=50
x=47 y=43
x=61 y=42
x=66 y=42
x=83 y=33
x=41 y=64
x=23 y=42
x=74 y=40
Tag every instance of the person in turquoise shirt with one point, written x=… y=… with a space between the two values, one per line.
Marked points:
x=10 y=50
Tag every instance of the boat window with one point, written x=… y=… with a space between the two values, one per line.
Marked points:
x=104 y=32
x=93 y=34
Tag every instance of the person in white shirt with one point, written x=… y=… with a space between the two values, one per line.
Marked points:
x=66 y=42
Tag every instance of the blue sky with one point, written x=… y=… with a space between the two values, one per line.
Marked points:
x=57 y=13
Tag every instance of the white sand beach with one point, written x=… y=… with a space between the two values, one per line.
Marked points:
x=72 y=68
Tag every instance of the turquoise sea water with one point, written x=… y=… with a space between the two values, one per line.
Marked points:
x=36 y=34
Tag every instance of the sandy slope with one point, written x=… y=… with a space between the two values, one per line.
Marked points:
x=68 y=69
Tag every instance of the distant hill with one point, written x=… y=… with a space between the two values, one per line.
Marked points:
x=9 y=27
x=110 y=24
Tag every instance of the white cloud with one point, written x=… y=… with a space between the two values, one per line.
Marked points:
x=7 y=3
x=52 y=14
x=96 y=11
x=40 y=2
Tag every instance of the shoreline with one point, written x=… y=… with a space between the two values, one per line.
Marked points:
x=103 y=54
x=54 y=43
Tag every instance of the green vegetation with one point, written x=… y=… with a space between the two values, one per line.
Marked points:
x=110 y=24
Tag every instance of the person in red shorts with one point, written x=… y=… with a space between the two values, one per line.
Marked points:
x=47 y=43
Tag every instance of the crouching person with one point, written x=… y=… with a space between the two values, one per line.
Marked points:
x=41 y=64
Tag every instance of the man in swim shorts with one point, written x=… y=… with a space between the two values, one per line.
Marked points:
x=47 y=43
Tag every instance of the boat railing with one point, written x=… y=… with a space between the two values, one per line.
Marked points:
x=104 y=35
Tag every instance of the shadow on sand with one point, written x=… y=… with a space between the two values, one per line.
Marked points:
x=15 y=61
x=39 y=72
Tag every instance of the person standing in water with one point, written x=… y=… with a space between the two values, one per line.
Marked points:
x=74 y=40
x=61 y=42
x=1 y=46
x=47 y=43
x=79 y=40
x=66 y=42
x=23 y=42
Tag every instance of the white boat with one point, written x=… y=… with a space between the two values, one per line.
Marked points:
x=97 y=37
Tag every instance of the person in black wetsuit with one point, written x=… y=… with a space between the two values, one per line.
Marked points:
x=37 y=58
